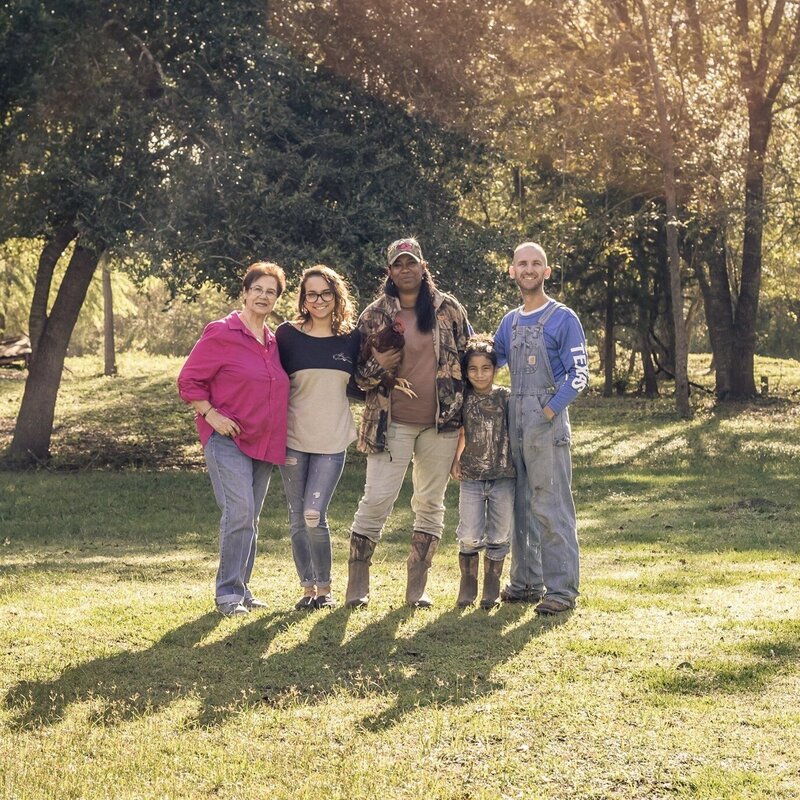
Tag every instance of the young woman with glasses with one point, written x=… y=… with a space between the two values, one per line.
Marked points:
x=318 y=350
x=234 y=380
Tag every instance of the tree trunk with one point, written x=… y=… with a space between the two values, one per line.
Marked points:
x=52 y=251
x=761 y=82
x=667 y=150
x=109 y=351
x=681 y=343
x=647 y=312
x=6 y=294
x=718 y=302
x=609 y=351
x=650 y=380
x=31 y=442
x=742 y=373
x=695 y=304
x=662 y=327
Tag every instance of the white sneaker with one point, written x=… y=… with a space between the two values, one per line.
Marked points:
x=232 y=609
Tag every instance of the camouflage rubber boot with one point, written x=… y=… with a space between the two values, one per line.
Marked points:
x=468 y=588
x=423 y=547
x=361 y=550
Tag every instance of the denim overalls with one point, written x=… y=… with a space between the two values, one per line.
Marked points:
x=544 y=545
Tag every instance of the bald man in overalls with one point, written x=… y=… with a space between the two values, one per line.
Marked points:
x=544 y=346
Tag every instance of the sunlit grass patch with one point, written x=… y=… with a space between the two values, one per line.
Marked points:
x=674 y=678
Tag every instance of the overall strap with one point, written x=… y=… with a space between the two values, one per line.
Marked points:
x=549 y=313
x=515 y=319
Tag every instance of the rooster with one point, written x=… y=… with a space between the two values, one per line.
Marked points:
x=391 y=337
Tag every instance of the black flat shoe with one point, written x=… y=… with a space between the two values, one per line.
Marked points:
x=324 y=601
x=305 y=603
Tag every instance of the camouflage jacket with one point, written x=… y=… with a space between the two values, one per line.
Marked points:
x=449 y=341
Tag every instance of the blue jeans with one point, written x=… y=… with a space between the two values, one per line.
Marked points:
x=486 y=517
x=545 y=551
x=309 y=481
x=240 y=485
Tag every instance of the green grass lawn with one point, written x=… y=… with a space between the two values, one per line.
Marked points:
x=676 y=677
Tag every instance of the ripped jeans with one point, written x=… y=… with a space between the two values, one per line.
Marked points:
x=309 y=481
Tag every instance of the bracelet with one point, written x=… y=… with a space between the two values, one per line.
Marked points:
x=207 y=412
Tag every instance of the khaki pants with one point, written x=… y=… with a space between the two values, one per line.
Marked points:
x=432 y=454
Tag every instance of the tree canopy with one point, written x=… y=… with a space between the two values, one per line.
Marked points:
x=640 y=142
x=188 y=141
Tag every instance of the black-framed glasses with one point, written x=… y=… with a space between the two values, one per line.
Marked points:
x=315 y=297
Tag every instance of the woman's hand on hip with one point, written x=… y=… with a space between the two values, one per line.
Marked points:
x=222 y=424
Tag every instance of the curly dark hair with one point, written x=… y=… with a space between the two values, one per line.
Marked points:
x=344 y=312
x=481 y=344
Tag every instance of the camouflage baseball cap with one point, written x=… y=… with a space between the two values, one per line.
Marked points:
x=409 y=247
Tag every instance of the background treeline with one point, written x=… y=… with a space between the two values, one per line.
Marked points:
x=651 y=147
x=148 y=318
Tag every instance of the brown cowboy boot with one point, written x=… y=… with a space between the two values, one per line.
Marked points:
x=492 y=570
x=423 y=546
x=361 y=550
x=468 y=589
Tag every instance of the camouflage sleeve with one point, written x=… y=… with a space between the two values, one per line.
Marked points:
x=462 y=330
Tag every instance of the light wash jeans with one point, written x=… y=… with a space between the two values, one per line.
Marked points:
x=309 y=480
x=432 y=454
x=545 y=550
x=240 y=485
x=486 y=517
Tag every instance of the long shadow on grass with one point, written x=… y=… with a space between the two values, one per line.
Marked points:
x=703 y=443
x=448 y=661
x=130 y=684
x=698 y=487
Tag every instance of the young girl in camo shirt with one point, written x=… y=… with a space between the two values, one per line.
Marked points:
x=486 y=473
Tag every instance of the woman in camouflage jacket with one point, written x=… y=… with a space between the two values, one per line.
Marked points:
x=421 y=424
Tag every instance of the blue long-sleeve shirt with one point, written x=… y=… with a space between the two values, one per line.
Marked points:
x=565 y=343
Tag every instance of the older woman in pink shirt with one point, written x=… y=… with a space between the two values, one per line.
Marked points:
x=234 y=380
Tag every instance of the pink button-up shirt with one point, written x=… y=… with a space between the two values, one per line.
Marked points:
x=243 y=380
